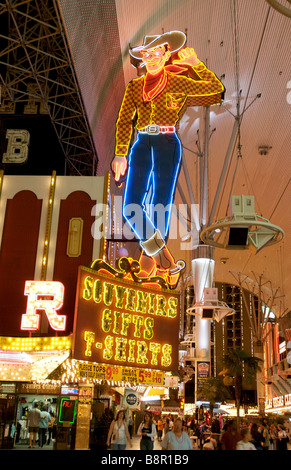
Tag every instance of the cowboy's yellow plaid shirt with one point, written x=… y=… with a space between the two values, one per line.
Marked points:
x=167 y=108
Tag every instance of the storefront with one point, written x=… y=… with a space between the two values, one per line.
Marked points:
x=125 y=340
x=80 y=413
x=16 y=399
x=279 y=405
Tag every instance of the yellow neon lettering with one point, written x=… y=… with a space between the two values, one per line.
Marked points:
x=173 y=304
x=137 y=321
x=116 y=322
x=149 y=325
x=106 y=320
x=155 y=348
x=97 y=291
x=89 y=337
x=87 y=292
x=131 y=345
x=166 y=360
x=120 y=354
x=141 y=306
x=119 y=292
x=108 y=350
x=130 y=299
x=126 y=319
x=108 y=293
x=142 y=350
x=151 y=310
x=161 y=303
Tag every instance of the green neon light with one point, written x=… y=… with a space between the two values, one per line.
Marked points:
x=62 y=407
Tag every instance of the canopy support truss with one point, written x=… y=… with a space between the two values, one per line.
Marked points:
x=36 y=69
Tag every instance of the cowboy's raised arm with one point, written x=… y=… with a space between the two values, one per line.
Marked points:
x=208 y=83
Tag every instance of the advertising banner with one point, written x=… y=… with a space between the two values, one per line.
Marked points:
x=203 y=372
x=119 y=374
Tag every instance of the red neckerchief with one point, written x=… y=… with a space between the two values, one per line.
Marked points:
x=154 y=84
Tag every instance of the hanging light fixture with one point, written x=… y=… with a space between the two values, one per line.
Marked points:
x=242 y=228
x=210 y=308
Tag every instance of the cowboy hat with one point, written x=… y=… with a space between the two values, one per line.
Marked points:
x=175 y=40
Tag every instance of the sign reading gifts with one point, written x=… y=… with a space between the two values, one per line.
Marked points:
x=124 y=323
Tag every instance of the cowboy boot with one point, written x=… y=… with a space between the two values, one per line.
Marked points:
x=164 y=260
x=153 y=244
x=147 y=265
x=166 y=266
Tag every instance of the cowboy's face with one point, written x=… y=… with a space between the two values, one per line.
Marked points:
x=155 y=59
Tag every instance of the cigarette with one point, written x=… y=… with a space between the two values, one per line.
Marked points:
x=141 y=65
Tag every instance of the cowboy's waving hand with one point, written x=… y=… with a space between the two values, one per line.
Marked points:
x=187 y=57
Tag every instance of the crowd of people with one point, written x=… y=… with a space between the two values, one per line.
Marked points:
x=186 y=434
x=220 y=435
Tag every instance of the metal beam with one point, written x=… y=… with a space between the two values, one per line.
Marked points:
x=35 y=51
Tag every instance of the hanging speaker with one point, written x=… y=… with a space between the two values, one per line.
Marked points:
x=238 y=236
x=207 y=313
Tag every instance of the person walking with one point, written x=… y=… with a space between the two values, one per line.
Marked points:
x=177 y=439
x=118 y=434
x=283 y=438
x=51 y=425
x=273 y=437
x=45 y=418
x=257 y=437
x=244 y=443
x=130 y=426
x=160 y=429
x=266 y=436
x=147 y=431
x=167 y=426
x=230 y=437
x=32 y=424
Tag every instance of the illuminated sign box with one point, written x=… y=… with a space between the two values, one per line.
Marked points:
x=124 y=323
x=47 y=296
x=67 y=411
x=69 y=390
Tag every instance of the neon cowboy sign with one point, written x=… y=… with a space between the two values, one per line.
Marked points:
x=155 y=103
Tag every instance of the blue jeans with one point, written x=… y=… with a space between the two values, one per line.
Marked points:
x=153 y=168
x=118 y=446
x=146 y=444
x=42 y=436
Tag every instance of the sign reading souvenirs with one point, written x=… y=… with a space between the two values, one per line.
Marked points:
x=118 y=322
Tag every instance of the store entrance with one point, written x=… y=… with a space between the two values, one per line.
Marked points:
x=7 y=421
x=25 y=404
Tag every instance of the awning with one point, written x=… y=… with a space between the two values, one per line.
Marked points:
x=30 y=366
x=154 y=391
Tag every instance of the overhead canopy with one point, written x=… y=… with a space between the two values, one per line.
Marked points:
x=245 y=42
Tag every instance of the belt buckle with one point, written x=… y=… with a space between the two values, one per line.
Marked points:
x=153 y=129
